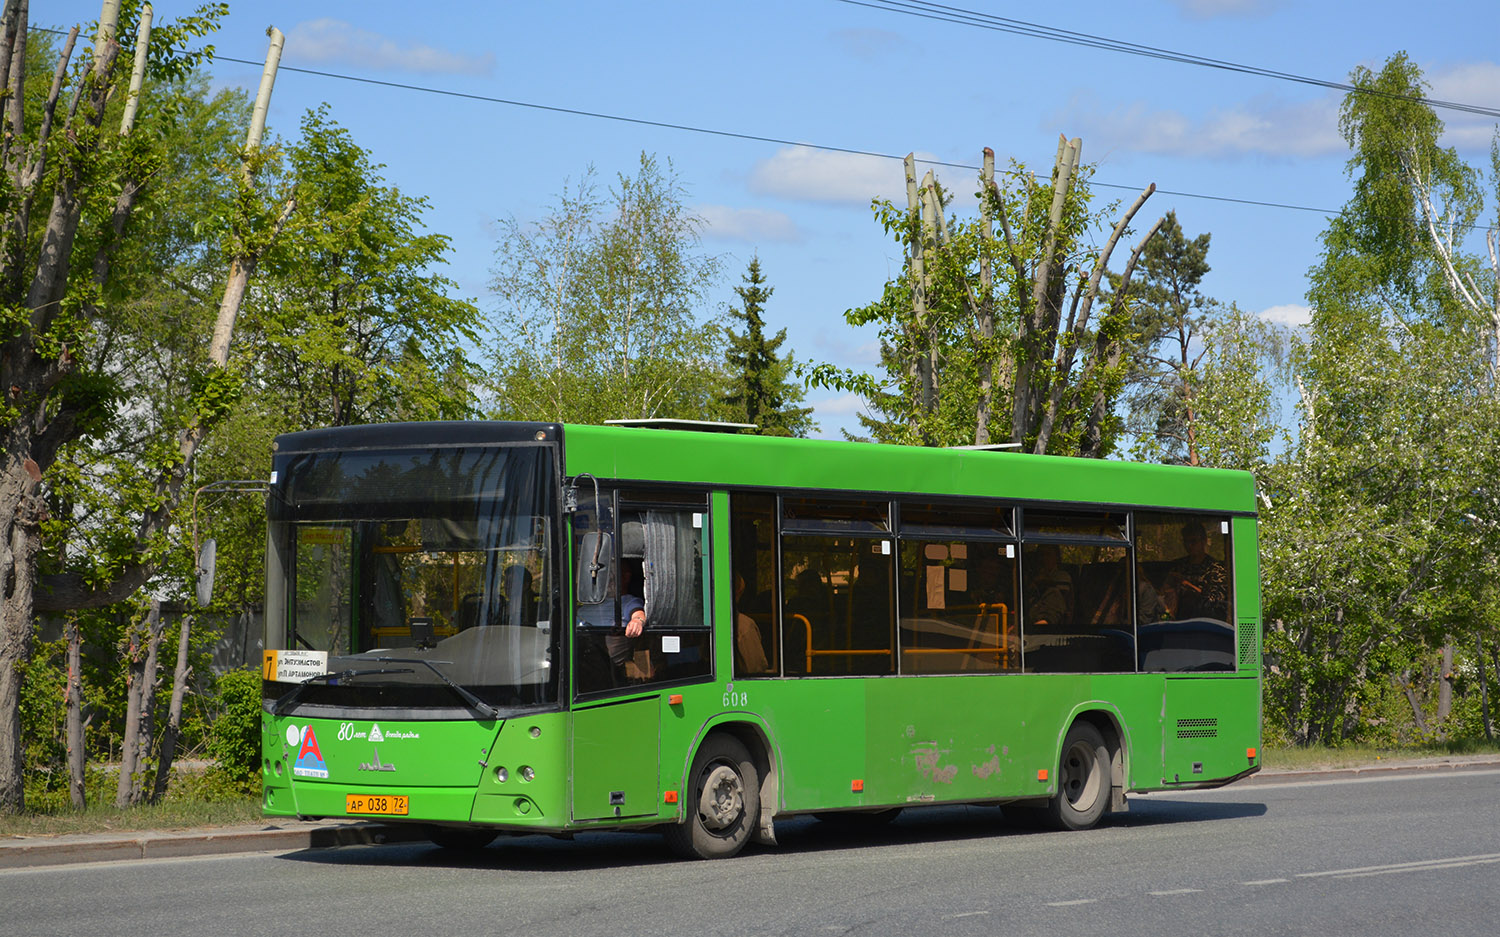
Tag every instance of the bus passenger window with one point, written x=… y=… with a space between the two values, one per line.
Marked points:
x=958 y=589
x=1185 y=563
x=837 y=579
x=1077 y=611
x=752 y=533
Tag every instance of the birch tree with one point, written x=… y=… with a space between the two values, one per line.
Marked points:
x=1379 y=541
x=600 y=306
x=77 y=169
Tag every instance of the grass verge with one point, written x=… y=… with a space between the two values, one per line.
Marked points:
x=100 y=818
x=1302 y=758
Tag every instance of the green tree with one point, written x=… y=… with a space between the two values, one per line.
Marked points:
x=761 y=389
x=974 y=315
x=1169 y=314
x=1372 y=548
x=598 y=307
x=81 y=162
x=348 y=322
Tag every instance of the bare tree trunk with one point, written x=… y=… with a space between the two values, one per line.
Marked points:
x=918 y=273
x=135 y=664
x=140 y=693
x=1417 y=715
x=1484 y=689
x=173 y=728
x=73 y=703
x=1445 y=688
x=1038 y=329
x=985 y=323
x=932 y=211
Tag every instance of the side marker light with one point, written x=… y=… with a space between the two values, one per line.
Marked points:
x=671 y=797
x=1249 y=753
x=1041 y=774
x=857 y=785
x=675 y=699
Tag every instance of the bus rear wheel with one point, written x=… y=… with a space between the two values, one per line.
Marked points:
x=1082 y=780
x=723 y=802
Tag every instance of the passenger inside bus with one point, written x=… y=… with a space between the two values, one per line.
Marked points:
x=1049 y=599
x=1202 y=583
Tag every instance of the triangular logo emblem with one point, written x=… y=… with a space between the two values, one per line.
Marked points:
x=375 y=734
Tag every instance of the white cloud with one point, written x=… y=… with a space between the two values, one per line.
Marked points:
x=1467 y=83
x=329 y=41
x=846 y=405
x=1292 y=315
x=1263 y=126
x=747 y=224
x=805 y=174
x=1213 y=9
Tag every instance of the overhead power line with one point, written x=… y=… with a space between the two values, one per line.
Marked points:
x=964 y=17
x=731 y=134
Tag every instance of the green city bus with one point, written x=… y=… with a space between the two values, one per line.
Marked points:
x=489 y=627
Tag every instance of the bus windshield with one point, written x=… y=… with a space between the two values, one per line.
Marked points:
x=414 y=570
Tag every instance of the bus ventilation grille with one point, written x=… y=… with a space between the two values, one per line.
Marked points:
x=1247 y=645
x=1197 y=728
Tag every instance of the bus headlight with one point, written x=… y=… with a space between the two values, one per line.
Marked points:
x=526 y=773
x=501 y=774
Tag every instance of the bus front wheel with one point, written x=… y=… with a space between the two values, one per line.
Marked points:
x=722 y=802
x=1082 y=780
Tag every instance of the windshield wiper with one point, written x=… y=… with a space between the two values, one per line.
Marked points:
x=469 y=697
x=291 y=696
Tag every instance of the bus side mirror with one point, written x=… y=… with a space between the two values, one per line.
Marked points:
x=595 y=560
x=207 y=555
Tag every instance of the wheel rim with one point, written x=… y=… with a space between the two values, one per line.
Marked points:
x=722 y=800
x=1081 y=780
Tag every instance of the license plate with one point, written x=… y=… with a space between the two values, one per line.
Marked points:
x=385 y=805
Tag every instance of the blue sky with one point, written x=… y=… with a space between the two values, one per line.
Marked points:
x=840 y=74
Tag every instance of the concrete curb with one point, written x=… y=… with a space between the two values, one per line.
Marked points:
x=289 y=836
x=25 y=852
x=1393 y=769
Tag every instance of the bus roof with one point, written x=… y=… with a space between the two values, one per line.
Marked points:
x=777 y=462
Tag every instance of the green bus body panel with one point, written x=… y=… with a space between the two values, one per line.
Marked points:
x=1211 y=723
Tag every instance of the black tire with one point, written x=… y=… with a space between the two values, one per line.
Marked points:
x=857 y=821
x=722 y=802
x=457 y=840
x=1082 y=780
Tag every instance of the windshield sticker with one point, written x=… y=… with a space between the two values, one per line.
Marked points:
x=309 y=757
x=285 y=666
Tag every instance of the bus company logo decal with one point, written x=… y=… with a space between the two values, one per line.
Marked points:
x=376 y=765
x=310 y=762
x=376 y=735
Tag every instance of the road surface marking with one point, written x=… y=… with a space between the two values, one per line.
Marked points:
x=1069 y=904
x=1420 y=866
x=1268 y=881
x=1176 y=891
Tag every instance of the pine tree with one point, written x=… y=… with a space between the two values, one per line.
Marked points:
x=760 y=391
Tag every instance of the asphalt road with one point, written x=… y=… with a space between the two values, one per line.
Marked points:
x=1402 y=855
